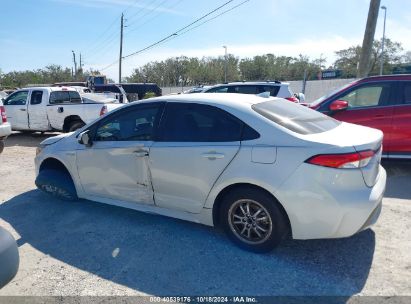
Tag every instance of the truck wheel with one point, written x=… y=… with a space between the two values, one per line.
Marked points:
x=253 y=220
x=73 y=126
x=57 y=183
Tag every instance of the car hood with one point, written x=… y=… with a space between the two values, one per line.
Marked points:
x=54 y=139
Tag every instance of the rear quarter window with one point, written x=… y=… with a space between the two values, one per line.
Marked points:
x=57 y=97
x=295 y=117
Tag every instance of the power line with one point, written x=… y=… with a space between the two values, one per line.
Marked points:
x=141 y=24
x=149 y=7
x=183 y=30
x=180 y=30
x=111 y=37
x=211 y=19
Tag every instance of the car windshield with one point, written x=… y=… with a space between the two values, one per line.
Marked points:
x=295 y=117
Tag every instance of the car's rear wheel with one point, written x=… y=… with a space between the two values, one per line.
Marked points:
x=56 y=183
x=75 y=125
x=253 y=219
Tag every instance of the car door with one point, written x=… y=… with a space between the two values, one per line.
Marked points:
x=116 y=166
x=37 y=111
x=195 y=144
x=16 y=109
x=401 y=123
x=371 y=105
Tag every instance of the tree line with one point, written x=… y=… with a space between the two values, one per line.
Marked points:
x=185 y=71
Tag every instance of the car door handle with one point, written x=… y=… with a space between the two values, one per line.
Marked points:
x=24 y=110
x=140 y=153
x=212 y=155
x=379 y=116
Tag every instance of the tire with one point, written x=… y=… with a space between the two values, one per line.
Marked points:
x=261 y=233
x=9 y=257
x=1 y=145
x=57 y=183
x=74 y=125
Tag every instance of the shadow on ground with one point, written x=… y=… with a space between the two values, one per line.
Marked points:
x=27 y=139
x=399 y=178
x=163 y=256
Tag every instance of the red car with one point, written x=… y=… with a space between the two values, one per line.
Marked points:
x=381 y=102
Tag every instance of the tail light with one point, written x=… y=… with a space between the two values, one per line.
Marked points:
x=103 y=110
x=3 y=114
x=292 y=98
x=342 y=161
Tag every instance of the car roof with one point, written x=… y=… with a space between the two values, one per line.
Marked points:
x=268 y=82
x=50 y=89
x=386 y=77
x=234 y=100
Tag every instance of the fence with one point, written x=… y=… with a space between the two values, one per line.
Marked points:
x=313 y=89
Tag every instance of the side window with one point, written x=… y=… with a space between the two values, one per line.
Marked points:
x=407 y=93
x=218 y=90
x=59 y=97
x=136 y=124
x=199 y=123
x=246 y=89
x=272 y=89
x=367 y=96
x=36 y=97
x=18 y=99
x=74 y=97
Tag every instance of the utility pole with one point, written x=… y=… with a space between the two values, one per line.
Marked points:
x=121 y=47
x=225 y=63
x=75 y=63
x=364 y=65
x=383 y=40
x=81 y=63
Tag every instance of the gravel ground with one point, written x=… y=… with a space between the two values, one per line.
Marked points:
x=86 y=248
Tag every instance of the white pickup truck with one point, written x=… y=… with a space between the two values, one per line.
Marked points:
x=51 y=108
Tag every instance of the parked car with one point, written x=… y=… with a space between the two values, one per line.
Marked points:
x=137 y=91
x=230 y=160
x=197 y=89
x=381 y=102
x=112 y=90
x=5 y=128
x=51 y=108
x=9 y=257
x=274 y=88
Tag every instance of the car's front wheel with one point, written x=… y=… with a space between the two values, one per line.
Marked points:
x=253 y=219
x=56 y=183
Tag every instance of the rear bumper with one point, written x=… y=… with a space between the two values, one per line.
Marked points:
x=330 y=203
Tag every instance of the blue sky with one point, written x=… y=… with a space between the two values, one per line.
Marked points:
x=35 y=33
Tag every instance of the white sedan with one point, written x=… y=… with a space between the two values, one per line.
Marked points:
x=262 y=169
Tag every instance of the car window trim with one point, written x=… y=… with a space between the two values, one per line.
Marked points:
x=15 y=93
x=163 y=118
x=401 y=91
x=31 y=95
x=93 y=128
x=325 y=107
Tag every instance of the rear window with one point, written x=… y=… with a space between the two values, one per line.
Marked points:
x=295 y=117
x=65 y=97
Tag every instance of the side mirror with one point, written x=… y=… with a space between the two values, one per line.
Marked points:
x=338 y=105
x=300 y=96
x=85 y=139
